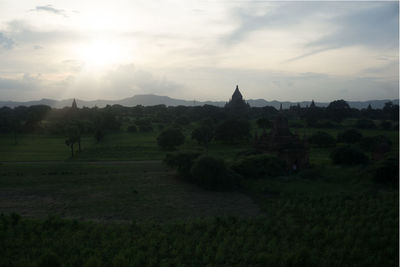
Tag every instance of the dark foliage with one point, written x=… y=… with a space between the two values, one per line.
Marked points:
x=212 y=174
x=203 y=134
x=375 y=143
x=350 y=136
x=182 y=120
x=132 y=129
x=259 y=166
x=264 y=123
x=182 y=161
x=99 y=135
x=232 y=130
x=347 y=155
x=170 y=138
x=388 y=172
x=338 y=110
x=385 y=125
x=322 y=139
x=365 y=124
x=144 y=125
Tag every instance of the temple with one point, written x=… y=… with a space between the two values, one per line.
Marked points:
x=236 y=104
x=287 y=146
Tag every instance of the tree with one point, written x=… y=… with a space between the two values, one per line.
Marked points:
x=73 y=137
x=322 y=139
x=232 y=130
x=350 y=136
x=212 y=173
x=170 y=138
x=263 y=123
x=338 y=110
x=203 y=135
x=348 y=155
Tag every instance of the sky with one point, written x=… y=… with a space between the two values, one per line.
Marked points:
x=199 y=50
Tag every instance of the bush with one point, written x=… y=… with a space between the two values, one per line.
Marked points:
x=365 y=124
x=386 y=125
x=212 y=173
x=295 y=124
x=232 y=130
x=388 y=172
x=322 y=139
x=348 y=155
x=170 y=138
x=350 y=136
x=310 y=174
x=132 y=129
x=48 y=259
x=182 y=161
x=259 y=166
x=376 y=143
x=144 y=125
x=203 y=135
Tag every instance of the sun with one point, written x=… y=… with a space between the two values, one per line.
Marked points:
x=100 y=53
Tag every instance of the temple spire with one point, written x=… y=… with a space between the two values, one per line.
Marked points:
x=74 y=106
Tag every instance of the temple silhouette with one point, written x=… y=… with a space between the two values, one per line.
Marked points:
x=236 y=105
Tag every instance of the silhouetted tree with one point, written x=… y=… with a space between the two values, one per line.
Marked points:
x=348 y=155
x=350 y=136
x=170 y=138
x=232 y=130
x=203 y=135
x=264 y=123
x=73 y=137
x=322 y=139
x=338 y=110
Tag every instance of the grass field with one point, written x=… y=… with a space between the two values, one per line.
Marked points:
x=117 y=191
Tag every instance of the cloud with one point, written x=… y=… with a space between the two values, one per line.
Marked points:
x=133 y=81
x=51 y=9
x=369 y=24
x=23 y=32
x=6 y=42
x=373 y=25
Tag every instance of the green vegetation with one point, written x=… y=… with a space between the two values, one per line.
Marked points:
x=125 y=201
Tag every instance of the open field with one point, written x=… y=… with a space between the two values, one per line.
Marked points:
x=140 y=146
x=118 y=191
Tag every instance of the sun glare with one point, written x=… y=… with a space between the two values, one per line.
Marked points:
x=100 y=53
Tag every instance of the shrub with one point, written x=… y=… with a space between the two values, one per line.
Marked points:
x=376 y=143
x=386 y=125
x=259 y=166
x=170 y=138
x=322 y=139
x=348 y=155
x=48 y=259
x=144 y=125
x=365 y=124
x=182 y=161
x=295 y=124
x=311 y=174
x=388 y=172
x=232 y=130
x=182 y=120
x=132 y=129
x=212 y=173
x=203 y=135
x=350 y=136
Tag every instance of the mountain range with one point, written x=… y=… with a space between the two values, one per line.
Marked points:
x=151 y=100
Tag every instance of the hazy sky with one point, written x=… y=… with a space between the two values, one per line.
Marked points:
x=199 y=49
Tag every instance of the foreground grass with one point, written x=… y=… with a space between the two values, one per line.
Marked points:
x=337 y=218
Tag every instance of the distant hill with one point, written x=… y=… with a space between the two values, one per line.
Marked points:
x=152 y=100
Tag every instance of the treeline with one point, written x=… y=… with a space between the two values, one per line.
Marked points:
x=43 y=119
